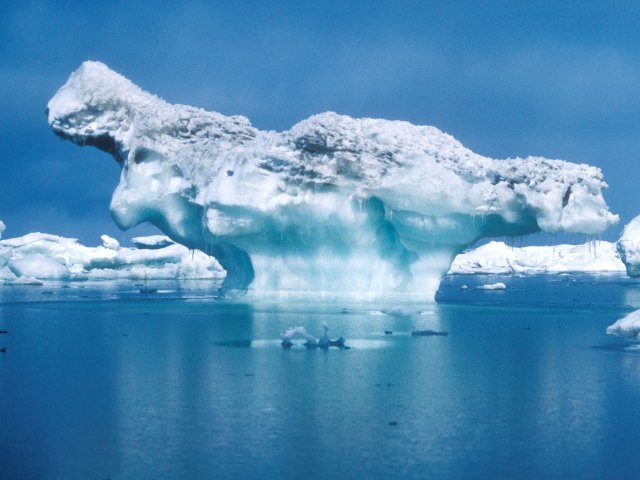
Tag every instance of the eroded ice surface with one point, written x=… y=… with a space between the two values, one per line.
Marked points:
x=335 y=204
x=629 y=247
x=39 y=256
x=501 y=259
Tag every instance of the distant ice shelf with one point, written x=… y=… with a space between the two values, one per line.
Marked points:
x=38 y=256
x=501 y=259
x=335 y=205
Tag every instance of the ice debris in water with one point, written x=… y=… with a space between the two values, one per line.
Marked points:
x=627 y=327
x=335 y=205
x=324 y=341
x=492 y=286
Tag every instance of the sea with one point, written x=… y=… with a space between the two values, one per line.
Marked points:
x=114 y=380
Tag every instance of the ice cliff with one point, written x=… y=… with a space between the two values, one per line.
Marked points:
x=335 y=204
x=629 y=247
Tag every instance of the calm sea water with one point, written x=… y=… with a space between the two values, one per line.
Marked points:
x=104 y=382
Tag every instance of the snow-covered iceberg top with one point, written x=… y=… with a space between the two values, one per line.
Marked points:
x=333 y=204
x=499 y=258
x=40 y=256
x=629 y=247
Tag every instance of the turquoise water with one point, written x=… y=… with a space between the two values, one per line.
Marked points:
x=103 y=382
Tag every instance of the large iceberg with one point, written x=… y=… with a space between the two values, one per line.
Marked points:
x=629 y=247
x=335 y=204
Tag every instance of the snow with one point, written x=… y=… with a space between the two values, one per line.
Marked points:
x=627 y=327
x=501 y=259
x=335 y=204
x=629 y=247
x=109 y=242
x=49 y=257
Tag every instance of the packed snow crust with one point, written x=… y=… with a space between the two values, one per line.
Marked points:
x=335 y=204
x=39 y=256
x=501 y=259
x=629 y=247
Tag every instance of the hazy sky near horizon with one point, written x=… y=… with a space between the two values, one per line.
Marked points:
x=555 y=79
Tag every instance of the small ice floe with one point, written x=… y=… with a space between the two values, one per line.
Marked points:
x=627 y=327
x=492 y=286
x=323 y=342
x=428 y=333
x=464 y=287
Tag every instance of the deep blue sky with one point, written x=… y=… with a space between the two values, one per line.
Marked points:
x=556 y=79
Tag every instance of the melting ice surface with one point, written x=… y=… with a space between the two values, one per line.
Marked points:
x=333 y=205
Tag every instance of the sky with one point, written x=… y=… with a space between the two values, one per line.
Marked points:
x=558 y=79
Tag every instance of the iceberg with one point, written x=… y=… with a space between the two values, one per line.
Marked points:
x=627 y=327
x=335 y=205
x=500 y=259
x=40 y=256
x=629 y=247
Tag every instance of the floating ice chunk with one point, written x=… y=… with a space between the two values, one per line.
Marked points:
x=292 y=332
x=627 y=327
x=2 y=228
x=287 y=337
x=492 y=286
x=333 y=205
x=109 y=242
